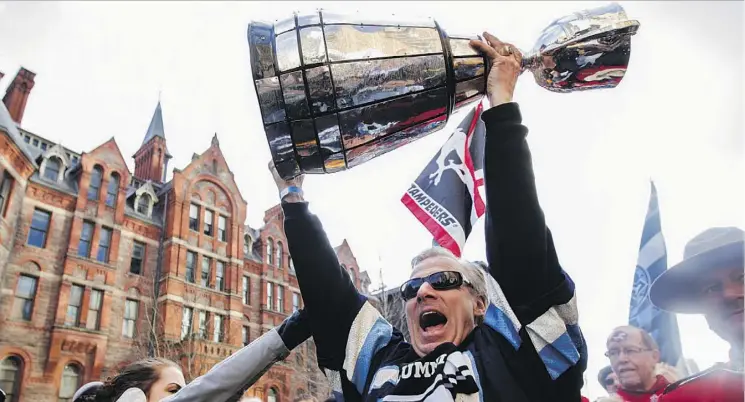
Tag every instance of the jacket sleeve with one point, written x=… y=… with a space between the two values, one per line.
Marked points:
x=347 y=329
x=521 y=254
x=519 y=247
x=229 y=379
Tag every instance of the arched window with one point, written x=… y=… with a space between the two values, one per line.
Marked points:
x=11 y=372
x=94 y=187
x=272 y=395
x=70 y=383
x=280 y=259
x=52 y=169
x=113 y=190
x=269 y=251
x=143 y=204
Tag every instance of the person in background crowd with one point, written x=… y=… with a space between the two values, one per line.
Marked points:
x=87 y=393
x=528 y=347
x=634 y=356
x=608 y=379
x=229 y=379
x=156 y=378
x=709 y=281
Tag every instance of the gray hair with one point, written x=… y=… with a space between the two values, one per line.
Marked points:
x=471 y=271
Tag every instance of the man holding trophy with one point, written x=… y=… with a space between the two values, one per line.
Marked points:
x=519 y=343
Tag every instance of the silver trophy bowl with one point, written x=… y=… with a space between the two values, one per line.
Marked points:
x=336 y=91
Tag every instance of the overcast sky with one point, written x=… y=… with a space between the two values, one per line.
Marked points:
x=676 y=118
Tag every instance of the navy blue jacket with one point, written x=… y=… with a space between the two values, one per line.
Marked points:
x=529 y=347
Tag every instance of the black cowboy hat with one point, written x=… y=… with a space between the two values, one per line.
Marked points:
x=716 y=248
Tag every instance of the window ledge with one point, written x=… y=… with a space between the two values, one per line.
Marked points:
x=91 y=260
x=269 y=310
x=37 y=247
x=197 y=285
x=21 y=321
x=79 y=329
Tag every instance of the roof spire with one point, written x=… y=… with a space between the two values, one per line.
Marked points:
x=156 y=125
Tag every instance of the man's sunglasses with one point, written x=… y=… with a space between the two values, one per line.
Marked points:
x=444 y=280
x=609 y=381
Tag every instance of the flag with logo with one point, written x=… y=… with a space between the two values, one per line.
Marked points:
x=651 y=263
x=445 y=197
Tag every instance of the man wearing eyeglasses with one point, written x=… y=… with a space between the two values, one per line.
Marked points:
x=516 y=342
x=633 y=355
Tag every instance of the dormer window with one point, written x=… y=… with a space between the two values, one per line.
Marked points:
x=53 y=163
x=52 y=169
x=143 y=205
x=145 y=199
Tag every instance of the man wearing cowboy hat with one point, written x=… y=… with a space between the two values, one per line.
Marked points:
x=709 y=281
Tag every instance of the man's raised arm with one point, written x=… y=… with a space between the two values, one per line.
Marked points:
x=519 y=247
x=329 y=296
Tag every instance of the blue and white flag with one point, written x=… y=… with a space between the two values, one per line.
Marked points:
x=651 y=263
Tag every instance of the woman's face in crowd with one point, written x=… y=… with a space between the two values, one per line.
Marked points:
x=171 y=380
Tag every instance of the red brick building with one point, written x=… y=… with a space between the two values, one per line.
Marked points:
x=100 y=266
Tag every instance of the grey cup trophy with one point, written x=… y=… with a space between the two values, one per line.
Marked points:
x=336 y=91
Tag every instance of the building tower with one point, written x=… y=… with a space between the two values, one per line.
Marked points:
x=151 y=160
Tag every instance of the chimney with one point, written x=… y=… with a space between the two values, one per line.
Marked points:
x=2 y=74
x=17 y=94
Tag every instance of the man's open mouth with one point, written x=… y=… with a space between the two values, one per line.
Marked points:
x=431 y=319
